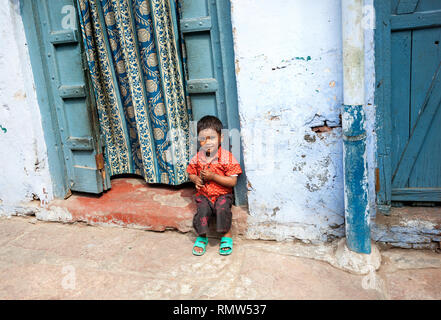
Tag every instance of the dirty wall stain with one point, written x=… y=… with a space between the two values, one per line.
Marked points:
x=302 y=58
x=286 y=63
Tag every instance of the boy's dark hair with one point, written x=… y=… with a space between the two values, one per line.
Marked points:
x=209 y=122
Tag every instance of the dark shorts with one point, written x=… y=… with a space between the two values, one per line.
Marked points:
x=206 y=210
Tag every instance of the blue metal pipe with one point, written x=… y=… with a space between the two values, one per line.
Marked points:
x=357 y=217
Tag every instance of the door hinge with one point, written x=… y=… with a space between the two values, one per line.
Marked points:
x=68 y=194
x=99 y=161
x=377 y=179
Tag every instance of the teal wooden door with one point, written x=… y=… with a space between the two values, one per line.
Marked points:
x=65 y=98
x=211 y=83
x=200 y=27
x=410 y=76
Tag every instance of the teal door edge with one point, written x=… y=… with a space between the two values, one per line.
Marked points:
x=57 y=166
x=382 y=101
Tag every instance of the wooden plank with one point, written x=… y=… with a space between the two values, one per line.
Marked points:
x=424 y=121
x=72 y=91
x=417 y=20
x=64 y=37
x=194 y=8
x=203 y=104
x=427 y=169
x=202 y=85
x=196 y=24
x=422 y=194
x=407 y=6
x=401 y=44
x=80 y=144
x=426 y=56
x=428 y=5
x=199 y=49
x=83 y=179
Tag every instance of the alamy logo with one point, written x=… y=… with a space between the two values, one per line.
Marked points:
x=371 y=280
x=69 y=20
x=69 y=280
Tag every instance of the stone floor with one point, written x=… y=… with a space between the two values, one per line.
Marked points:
x=51 y=260
x=409 y=227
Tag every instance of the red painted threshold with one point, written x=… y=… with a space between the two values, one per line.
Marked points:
x=131 y=202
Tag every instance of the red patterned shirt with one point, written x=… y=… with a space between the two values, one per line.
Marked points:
x=223 y=164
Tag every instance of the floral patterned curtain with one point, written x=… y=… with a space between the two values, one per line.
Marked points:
x=134 y=61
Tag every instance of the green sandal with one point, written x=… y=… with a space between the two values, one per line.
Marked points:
x=201 y=242
x=226 y=242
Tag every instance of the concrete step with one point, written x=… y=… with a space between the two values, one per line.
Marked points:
x=133 y=203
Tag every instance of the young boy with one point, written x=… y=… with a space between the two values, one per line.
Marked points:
x=214 y=172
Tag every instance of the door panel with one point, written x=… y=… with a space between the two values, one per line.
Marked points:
x=199 y=25
x=426 y=55
x=203 y=104
x=66 y=84
x=401 y=43
x=416 y=157
x=408 y=59
x=427 y=5
x=199 y=55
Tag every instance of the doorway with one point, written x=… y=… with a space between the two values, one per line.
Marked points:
x=75 y=143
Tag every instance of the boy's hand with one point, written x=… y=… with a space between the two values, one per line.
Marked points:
x=197 y=181
x=207 y=175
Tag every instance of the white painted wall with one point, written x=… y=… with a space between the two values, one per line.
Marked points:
x=289 y=77
x=23 y=160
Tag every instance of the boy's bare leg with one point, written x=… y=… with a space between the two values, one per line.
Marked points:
x=198 y=249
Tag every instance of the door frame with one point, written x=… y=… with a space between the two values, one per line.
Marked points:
x=39 y=63
x=383 y=123
x=51 y=127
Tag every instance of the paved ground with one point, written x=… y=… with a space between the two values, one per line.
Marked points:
x=44 y=260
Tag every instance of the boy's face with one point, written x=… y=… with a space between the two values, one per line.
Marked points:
x=209 y=140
